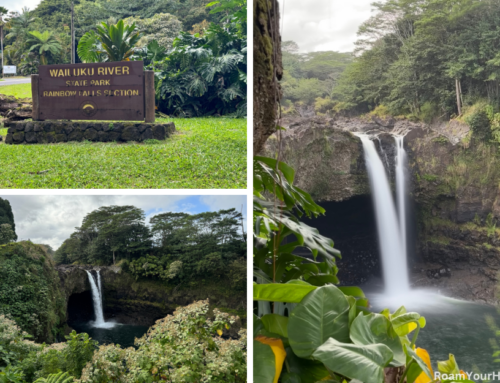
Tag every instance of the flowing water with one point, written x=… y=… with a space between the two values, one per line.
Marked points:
x=453 y=326
x=394 y=263
x=97 y=301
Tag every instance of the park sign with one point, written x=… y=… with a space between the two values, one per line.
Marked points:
x=9 y=69
x=98 y=91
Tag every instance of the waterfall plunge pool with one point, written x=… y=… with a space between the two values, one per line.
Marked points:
x=453 y=327
x=122 y=334
x=105 y=332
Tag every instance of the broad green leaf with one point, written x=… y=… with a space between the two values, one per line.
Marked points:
x=365 y=363
x=353 y=311
x=413 y=373
x=405 y=323
x=264 y=367
x=290 y=377
x=353 y=291
x=374 y=329
x=449 y=366
x=310 y=371
x=322 y=314
x=257 y=325
x=276 y=324
x=419 y=361
x=281 y=292
x=321 y=280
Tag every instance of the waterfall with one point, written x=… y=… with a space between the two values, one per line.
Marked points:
x=401 y=177
x=392 y=251
x=97 y=300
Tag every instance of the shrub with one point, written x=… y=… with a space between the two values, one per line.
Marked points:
x=179 y=348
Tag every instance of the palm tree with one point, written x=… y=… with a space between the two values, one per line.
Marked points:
x=45 y=42
x=19 y=26
x=118 y=40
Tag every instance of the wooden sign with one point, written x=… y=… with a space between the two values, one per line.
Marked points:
x=101 y=91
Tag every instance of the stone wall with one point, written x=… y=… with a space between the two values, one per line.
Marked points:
x=46 y=132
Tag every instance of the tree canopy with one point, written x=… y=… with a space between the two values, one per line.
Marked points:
x=6 y=215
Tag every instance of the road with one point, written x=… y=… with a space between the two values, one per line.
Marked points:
x=15 y=81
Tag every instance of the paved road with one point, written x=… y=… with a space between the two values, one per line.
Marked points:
x=15 y=81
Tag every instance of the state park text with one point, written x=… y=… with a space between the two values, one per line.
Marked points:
x=96 y=91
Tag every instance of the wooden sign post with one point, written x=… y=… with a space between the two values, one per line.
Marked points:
x=100 y=91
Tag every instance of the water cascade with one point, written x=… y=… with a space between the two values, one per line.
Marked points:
x=97 y=301
x=401 y=183
x=391 y=241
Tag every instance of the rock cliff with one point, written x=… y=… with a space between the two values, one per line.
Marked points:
x=454 y=188
x=143 y=302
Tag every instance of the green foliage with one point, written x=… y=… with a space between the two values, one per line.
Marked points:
x=45 y=43
x=480 y=124
x=332 y=337
x=7 y=235
x=11 y=374
x=310 y=78
x=61 y=377
x=409 y=56
x=29 y=289
x=278 y=230
x=193 y=246
x=107 y=234
x=6 y=215
x=162 y=28
x=90 y=48
x=207 y=153
x=205 y=75
x=178 y=348
x=14 y=346
x=117 y=41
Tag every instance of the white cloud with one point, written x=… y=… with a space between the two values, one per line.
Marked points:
x=321 y=25
x=52 y=219
x=19 y=4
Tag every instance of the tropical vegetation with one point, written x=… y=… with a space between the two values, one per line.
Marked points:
x=306 y=329
x=197 y=49
x=174 y=247
x=185 y=345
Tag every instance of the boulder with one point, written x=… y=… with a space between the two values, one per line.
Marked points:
x=130 y=134
x=159 y=132
x=90 y=134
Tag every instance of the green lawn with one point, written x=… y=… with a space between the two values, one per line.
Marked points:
x=205 y=153
x=18 y=90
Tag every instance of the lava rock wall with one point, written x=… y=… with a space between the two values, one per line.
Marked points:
x=47 y=132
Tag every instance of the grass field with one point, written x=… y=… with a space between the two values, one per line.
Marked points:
x=205 y=153
x=18 y=90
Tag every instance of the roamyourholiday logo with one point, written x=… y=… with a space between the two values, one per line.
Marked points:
x=468 y=376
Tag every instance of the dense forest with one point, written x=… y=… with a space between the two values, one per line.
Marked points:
x=185 y=249
x=196 y=48
x=310 y=78
x=424 y=60
x=174 y=246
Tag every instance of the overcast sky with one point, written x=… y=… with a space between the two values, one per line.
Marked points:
x=17 y=5
x=324 y=25
x=316 y=25
x=52 y=219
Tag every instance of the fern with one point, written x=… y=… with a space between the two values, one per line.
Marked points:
x=61 y=377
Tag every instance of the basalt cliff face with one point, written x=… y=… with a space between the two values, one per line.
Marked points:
x=454 y=190
x=138 y=302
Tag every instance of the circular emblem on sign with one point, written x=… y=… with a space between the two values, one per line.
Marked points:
x=88 y=108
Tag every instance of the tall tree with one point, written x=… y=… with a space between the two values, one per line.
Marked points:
x=6 y=215
x=268 y=70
